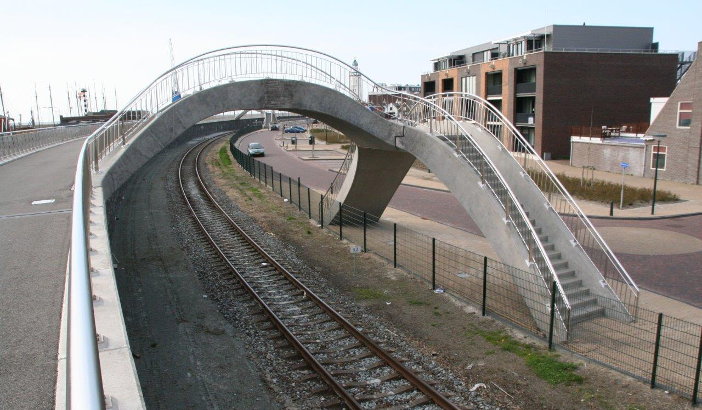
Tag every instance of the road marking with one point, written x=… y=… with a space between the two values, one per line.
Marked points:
x=43 y=201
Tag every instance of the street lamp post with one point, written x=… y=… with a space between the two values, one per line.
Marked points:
x=655 y=174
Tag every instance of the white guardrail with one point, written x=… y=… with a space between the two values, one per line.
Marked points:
x=220 y=67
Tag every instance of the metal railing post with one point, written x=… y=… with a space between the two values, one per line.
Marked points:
x=280 y=182
x=485 y=269
x=309 y=203
x=394 y=245
x=321 y=213
x=365 y=248
x=290 y=188
x=433 y=263
x=265 y=174
x=299 y=201
x=656 y=350
x=341 y=221
x=553 y=315
x=695 y=388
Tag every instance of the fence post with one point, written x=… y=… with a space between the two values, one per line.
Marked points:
x=299 y=200
x=290 y=188
x=280 y=182
x=394 y=245
x=656 y=350
x=365 y=249
x=485 y=266
x=265 y=174
x=696 y=387
x=553 y=316
x=611 y=208
x=309 y=204
x=341 y=221
x=433 y=263
x=321 y=213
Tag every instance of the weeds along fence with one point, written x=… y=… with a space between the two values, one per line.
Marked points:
x=18 y=143
x=661 y=350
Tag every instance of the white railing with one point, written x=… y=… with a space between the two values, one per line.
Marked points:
x=15 y=144
x=235 y=64
x=472 y=108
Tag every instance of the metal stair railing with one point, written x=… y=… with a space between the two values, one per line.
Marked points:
x=329 y=197
x=472 y=108
x=257 y=62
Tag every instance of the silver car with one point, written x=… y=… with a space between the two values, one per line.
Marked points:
x=256 y=149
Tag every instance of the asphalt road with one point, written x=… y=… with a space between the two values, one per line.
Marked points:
x=35 y=241
x=674 y=274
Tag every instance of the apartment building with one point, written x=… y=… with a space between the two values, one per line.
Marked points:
x=550 y=79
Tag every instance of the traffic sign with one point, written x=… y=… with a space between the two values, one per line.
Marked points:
x=355 y=249
x=624 y=164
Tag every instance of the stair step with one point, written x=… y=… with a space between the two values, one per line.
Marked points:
x=548 y=246
x=582 y=302
x=564 y=274
x=587 y=313
x=559 y=264
x=577 y=293
x=571 y=284
x=553 y=254
x=543 y=238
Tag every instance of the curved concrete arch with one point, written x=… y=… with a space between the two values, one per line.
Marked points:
x=386 y=150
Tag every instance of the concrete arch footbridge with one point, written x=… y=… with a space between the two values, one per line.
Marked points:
x=514 y=198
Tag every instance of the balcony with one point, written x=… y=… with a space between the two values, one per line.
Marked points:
x=526 y=88
x=524 y=118
x=494 y=89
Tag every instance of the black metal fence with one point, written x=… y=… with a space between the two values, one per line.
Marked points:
x=661 y=350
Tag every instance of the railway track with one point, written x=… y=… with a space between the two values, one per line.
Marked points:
x=359 y=372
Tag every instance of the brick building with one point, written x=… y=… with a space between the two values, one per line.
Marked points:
x=678 y=127
x=552 y=78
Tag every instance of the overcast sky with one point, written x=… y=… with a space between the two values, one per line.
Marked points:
x=123 y=45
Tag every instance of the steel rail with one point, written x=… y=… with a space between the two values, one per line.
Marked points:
x=476 y=109
x=418 y=383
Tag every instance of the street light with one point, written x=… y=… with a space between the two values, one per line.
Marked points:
x=655 y=175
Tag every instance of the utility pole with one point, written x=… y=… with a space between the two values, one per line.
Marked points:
x=95 y=95
x=4 y=124
x=51 y=104
x=68 y=95
x=36 y=101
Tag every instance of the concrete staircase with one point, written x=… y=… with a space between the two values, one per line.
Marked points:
x=583 y=304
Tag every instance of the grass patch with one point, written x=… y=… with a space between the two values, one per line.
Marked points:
x=368 y=293
x=291 y=218
x=224 y=159
x=604 y=191
x=416 y=302
x=545 y=365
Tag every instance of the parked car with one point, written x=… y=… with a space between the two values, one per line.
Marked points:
x=274 y=127
x=256 y=149
x=295 y=129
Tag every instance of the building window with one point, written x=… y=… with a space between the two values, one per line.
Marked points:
x=661 y=153
x=684 y=114
x=468 y=84
x=429 y=88
x=447 y=85
x=494 y=83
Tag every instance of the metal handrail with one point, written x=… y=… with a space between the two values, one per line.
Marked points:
x=218 y=67
x=475 y=109
x=330 y=195
x=14 y=144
